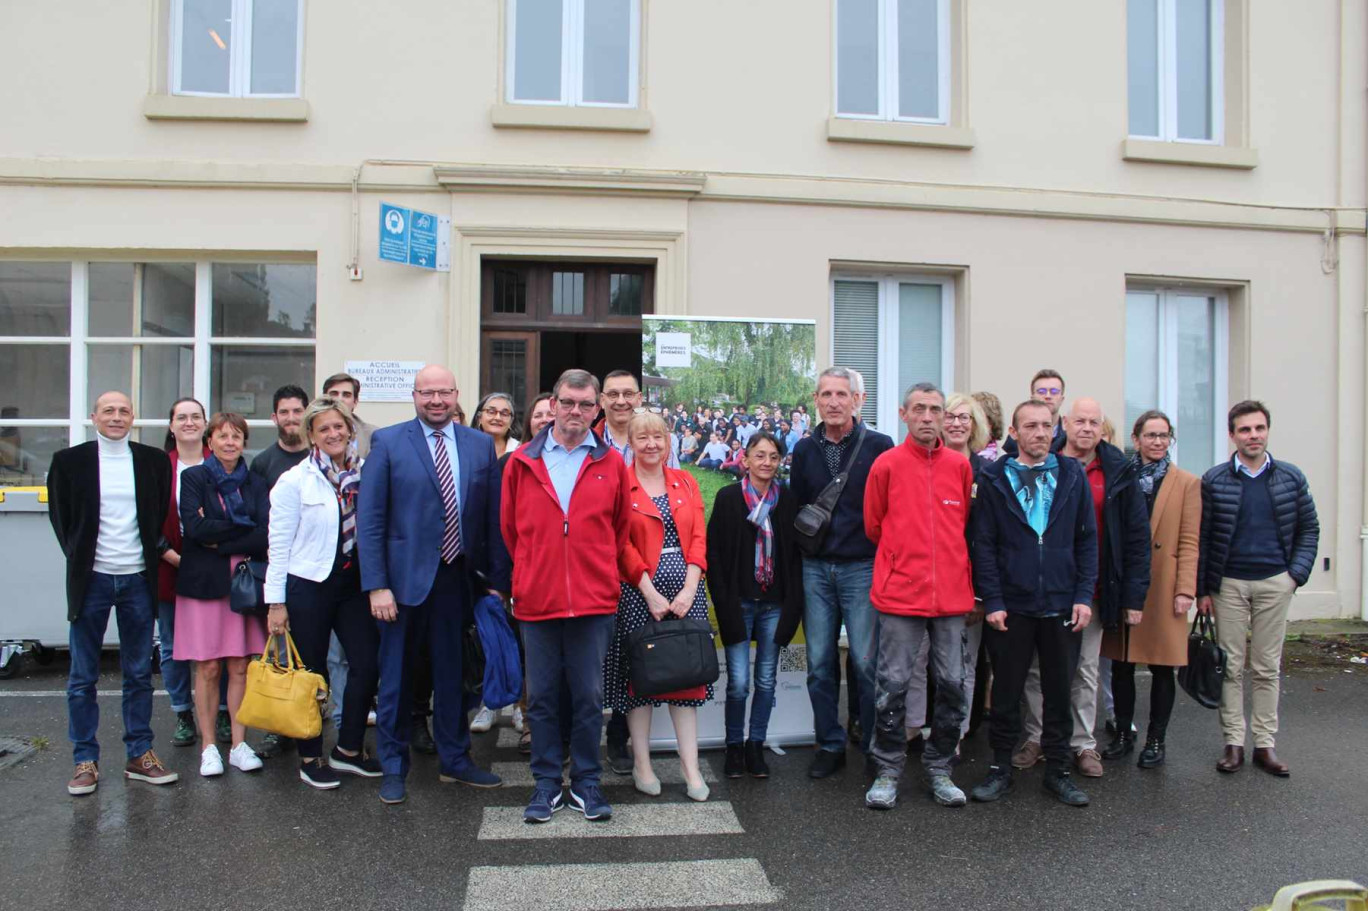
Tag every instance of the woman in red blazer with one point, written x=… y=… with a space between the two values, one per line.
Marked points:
x=662 y=570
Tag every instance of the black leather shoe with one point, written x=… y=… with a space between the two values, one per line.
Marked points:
x=826 y=763
x=735 y=766
x=1061 y=785
x=1152 y=756
x=619 y=759
x=420 y=738
x=1122 y=745
x=756 y=767
x=996 y=785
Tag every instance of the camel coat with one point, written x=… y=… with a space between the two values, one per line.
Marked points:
x=1161 y=638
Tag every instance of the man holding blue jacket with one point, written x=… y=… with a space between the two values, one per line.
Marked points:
x=1035 y=569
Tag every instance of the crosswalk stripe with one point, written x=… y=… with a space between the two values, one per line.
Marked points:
x=634 y=821
x=667 y=769
x=603 y=887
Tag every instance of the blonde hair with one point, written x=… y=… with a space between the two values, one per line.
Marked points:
x=321 y=406
x=645 y=422
x=978 y=434
x=1109 y=432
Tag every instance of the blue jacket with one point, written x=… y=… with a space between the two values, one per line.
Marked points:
x=1293 y=510
x=1016 y=571
x=400 y=520
x=808 y=477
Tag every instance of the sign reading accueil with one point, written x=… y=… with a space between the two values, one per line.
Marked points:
x=385 y=381
x=415 y=238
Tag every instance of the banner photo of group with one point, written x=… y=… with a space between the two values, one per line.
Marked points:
x=702 y=370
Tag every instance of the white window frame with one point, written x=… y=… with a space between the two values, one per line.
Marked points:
x=572 y=58
x=1168 y=75
x=888 y=65
x=887 y=420
x=1167 y=362
x=240 y=65
x=80 y=342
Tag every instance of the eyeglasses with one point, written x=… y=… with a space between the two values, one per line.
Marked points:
x=187 y=418
x=1156 y=437
x=434 y=393
x=572 y=405
x=498 y=413
x=620 y=394
x=1048 y=390
x=952 y=418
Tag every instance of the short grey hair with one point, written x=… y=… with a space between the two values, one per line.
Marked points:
x=849 y=374
x=576 y=378
x=924 y=388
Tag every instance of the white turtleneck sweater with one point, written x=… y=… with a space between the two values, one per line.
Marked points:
x=118 y=547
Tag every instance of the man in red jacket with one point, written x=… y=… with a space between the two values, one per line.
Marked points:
x=916 y=510
x=566 y=505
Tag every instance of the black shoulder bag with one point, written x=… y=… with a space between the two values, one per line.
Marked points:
x=246 y=594
x=1206 y=665
x=814 y=520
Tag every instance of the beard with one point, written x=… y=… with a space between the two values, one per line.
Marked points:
x=289 y=437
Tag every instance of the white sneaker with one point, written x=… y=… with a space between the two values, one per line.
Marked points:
x=243 y=757
x=518 y=719
x=211 y=763
x=484 y=720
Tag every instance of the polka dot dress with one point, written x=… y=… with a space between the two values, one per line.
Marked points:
x=633 y=613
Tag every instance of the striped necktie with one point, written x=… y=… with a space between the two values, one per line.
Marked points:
x=451 y=539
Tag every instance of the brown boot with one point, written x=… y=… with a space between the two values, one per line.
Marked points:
x=86 y=779
x=148 y=768
x=1232 y=760
x=1089 y=763
x=1029 y=754
x=1266 y=759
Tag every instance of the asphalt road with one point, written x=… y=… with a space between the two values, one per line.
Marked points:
x=1180 y=837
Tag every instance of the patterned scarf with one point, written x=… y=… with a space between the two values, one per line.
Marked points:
x=229 y=484
x=1034 y=486
x=345 y=484
x=1149 y=474
x=759 y=511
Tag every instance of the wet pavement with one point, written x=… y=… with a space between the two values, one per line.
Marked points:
x=1183 y=836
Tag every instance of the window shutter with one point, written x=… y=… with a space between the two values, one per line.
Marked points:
x=855 y=336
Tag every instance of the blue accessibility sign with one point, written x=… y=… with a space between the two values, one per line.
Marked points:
x=415 y=238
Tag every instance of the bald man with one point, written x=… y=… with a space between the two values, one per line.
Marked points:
x=107 y=501
x=429 y=542
x=1123 y=535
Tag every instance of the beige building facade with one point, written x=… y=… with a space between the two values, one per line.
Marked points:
x=1162 y=199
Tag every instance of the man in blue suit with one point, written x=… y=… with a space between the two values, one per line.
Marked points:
x=427 y=522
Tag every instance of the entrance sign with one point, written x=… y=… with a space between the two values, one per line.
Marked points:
x=385 y=381
x=415 y=238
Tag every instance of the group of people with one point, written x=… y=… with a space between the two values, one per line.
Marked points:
x=1049 y=560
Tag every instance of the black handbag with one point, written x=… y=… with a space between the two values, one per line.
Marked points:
x=665 y=656
x=247 y=592
x=814 y=520
x=1206 y=665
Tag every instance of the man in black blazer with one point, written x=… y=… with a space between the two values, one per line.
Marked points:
x=107 y=500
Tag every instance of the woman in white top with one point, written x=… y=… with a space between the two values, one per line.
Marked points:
x=313 y=583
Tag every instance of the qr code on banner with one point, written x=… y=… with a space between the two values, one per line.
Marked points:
x=793 y=658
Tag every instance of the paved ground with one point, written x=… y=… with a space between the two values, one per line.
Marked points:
x=1180 y=837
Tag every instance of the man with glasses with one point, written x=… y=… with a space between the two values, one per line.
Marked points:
x=427 y=523
x=1047 y=386
x=620 y=400
x=566 y=506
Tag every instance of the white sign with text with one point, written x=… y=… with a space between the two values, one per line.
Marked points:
x=385 y=381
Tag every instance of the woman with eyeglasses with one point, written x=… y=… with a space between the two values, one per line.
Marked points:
x=495 y=417
x=1174 y=499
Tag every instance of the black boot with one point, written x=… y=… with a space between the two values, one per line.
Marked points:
x=1123 y=744
x=736 y=761
x=420 y=738
x=1152 y=756
x=755 y=760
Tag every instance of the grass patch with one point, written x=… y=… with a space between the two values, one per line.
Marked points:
x=709 y=483
x=39 y=743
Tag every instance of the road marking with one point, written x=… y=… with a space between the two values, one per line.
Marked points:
x=37 y=694
x=508 y=738
x=667 y=769
x=633 y=821
x=602 y=887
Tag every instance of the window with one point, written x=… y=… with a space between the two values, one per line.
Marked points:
x=897 y=331
x=1177 y=361
x=227 y=334
x=237 y=48
x=573 y=52
x=893 y=60
x=1174 y=66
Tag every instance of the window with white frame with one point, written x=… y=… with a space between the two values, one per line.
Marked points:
x=236 y=48
x=573 y=52
x=893 y=60
x=1174 y=52
x=897 y=330
x=1177 y=360
x=228 y=334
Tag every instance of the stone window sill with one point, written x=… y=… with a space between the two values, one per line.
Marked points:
x=1190 y=153
x=196 y=107
x=564 y=117
x=844 y=129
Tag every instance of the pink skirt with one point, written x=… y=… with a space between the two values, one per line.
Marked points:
x=208 y=630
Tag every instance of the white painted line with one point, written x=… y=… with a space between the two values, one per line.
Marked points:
x=605 y=887
x=634 y=821
x=38 y=694
x=667 y=769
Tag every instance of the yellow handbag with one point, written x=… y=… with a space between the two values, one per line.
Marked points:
x=283 y=699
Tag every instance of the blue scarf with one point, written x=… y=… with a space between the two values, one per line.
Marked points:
x=1034 y=486
x=229 y=487
x=759 y=510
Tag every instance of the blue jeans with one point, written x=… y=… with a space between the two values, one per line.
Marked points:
x=175 y=674
x=761 y=619
x=566 y=656
x=337 y=678
x=131 y=600
x=838 y=592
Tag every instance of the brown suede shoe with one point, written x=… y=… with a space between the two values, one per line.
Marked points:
x=1089 y=764
x=1029 y=754
x=1266 y=759
x=148 y=768
x=86 y=779
x=1232 y=760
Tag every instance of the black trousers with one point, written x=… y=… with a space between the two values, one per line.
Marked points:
x=1163 y=692
x=318 y=609
x=1012 y=651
